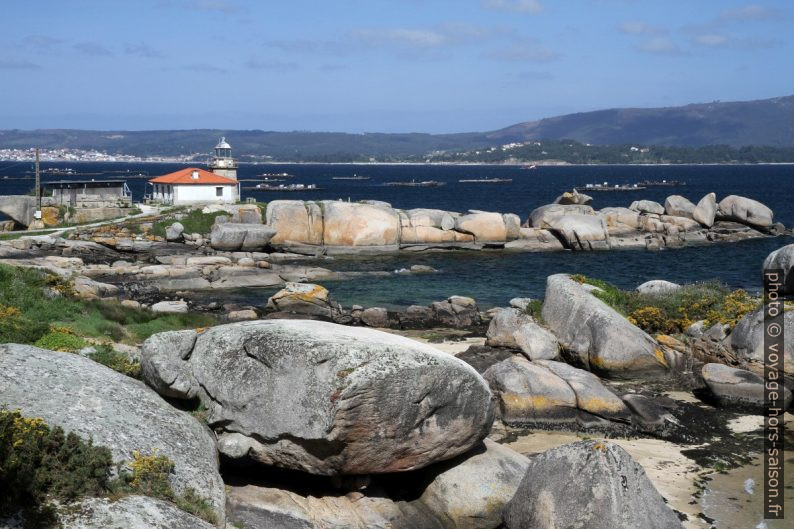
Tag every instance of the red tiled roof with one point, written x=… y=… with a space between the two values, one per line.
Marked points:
x=185 y=176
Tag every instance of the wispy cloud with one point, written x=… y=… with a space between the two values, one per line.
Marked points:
x=203 y=68
x=266 y=64
x=638 y=27
x=747 y=12
x=719 y=40
x=142 y=50
x=92 y=48
x=448 y=34
x=524 y=50
x=711 y=39
x=658 y=45
x=220 y=6
x=41 y=42
x=535 y=76
x=417 y=38
x=12 y=64
x=517 y=6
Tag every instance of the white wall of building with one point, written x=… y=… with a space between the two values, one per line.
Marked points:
x=187 y=193
x=192 y=193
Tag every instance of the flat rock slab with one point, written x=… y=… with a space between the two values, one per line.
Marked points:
x=113 y=410
x=738 y=388
x=129 y=512
x=324 y=398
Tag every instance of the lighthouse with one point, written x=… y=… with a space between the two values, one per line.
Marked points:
x=222 y=163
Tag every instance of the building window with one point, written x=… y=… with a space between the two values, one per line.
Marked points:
x=218 y=191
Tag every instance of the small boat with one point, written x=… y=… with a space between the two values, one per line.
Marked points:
x=282 y=187
x=529 y=167
x=276 y=175
x=354 y=177
x=662 y=183
x=606 y=187
x=414 y=183
x=486 y=181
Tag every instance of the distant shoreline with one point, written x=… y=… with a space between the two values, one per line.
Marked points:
x=454 y=164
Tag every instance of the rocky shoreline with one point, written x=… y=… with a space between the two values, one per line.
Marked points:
x=304 y=413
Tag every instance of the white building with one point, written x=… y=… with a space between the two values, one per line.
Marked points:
x=194 y=186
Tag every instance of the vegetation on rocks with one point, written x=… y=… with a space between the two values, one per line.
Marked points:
x=194 y=221
x=40 y=464
x=117 y=361
x=672 y=312
x=38 y=309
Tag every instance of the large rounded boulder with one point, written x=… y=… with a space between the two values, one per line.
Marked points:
x=588 y=485
x=358 y=224
x=678 y=206
x=745 y=210
x=596 y=335
x=747 y=339
x=706 y=210
x=295 y=221
x=324 y=398
x=113 y=410
x=783 y=258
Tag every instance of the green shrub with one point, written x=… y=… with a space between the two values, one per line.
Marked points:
x=18 y=329
x=39 y=463
x=194 y=222
x=674 y=311
x=151 y=476
x=61 y=339
x=534 y=308
x=116 y=361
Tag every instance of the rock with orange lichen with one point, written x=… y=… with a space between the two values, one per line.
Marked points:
x=595 y=335
x=304 y=298
x=549 y=392
x=324 y=398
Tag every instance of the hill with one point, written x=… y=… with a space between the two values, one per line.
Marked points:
x=762 y=122
x=282 y=146
x=768 y=122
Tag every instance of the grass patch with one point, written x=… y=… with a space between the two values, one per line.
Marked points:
x=61 y=339
x=19 y=234
x=37 y=308
x=194 y=222
x=535 y=309
x=672 y=312
x=116 y=361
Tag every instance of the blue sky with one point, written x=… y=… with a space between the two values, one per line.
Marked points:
x=378 y=65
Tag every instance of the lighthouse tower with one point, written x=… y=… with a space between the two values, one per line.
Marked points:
x=222 y=162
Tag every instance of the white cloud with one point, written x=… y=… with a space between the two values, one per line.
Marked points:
x=18 y=65
x=518 y=6
x=448 y=34
x=711 y=39
x=660 y=45
x=92 y=48
x=142 y=50
x=420 y=38
x=528 y=50
x=638 y=27
x=748 y=12
x=265 y=64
